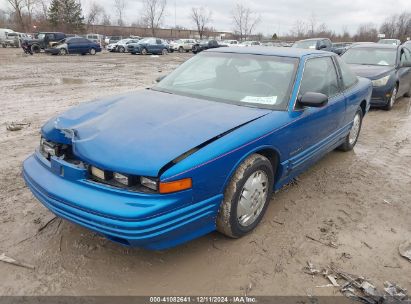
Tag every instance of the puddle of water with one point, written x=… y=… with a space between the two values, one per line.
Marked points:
x=65 y=80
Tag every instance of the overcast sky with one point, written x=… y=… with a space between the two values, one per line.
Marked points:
x=277 y=16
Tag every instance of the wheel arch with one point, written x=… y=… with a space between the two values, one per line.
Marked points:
x=270 y=152
x=363 y=106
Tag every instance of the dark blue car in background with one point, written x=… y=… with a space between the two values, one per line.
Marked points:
x=387 y=66
x=149 y=45
x=202 y=150
x=75 y=45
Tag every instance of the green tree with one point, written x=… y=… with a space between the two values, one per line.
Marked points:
x=66 y=15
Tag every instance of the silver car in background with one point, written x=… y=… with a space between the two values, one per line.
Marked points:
x=182 y=45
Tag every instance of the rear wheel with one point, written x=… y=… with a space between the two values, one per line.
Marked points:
x=35 y=48
x=246 y=197
x=181 y=49
x=352 y=137
x=392 y=99
x=121 y=49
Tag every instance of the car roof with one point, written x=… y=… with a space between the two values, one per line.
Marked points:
x=372 y=45
x=313 y=39
x=271 y=51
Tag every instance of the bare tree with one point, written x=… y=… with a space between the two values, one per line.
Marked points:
x=106 y=19
x=94 y=13
x=312 y=22
x=120 y=6
x=397 y=26
x=153 y=13
x=366 y=32
x=245 y=20
x=299 y=29
x=201 y=17
x=18 y=6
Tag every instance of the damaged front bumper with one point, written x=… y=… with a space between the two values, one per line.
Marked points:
x=152 y=221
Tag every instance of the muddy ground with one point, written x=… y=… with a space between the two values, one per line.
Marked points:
x=359 y=200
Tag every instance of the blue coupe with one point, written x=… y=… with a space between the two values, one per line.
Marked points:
x=202 y=150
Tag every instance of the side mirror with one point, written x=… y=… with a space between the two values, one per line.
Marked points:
x=322 y=46
x=311 y=99
x=158 y=79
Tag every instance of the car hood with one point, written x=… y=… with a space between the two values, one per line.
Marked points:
x=370 y=71
x=141 y=132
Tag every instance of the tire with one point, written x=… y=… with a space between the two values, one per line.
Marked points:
x=164 y=52
x=181 y=49
x=35 y=48
x=233 y=221
x=393 y=98
x=144 y=51
x=92 y=51
x=121 y=49
x=352 y=137
x=63 y=52
x=195 y=49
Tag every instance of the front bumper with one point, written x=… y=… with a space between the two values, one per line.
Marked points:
x=381 y=95
x=151 y=221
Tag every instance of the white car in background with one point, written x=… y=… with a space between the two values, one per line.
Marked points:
x=230 y=42
x=182 y=45
x=120 y=46
x=249 y=43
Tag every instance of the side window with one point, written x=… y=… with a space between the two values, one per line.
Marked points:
x=348 y=77
x=158 y=41
x=405 y=56
x=320 y=77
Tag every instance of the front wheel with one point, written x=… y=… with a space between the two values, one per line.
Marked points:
x=92 y=52
x=392 y=99
x=144 y=51
x=63 y=52
x=246 y=197
x=352 y=137
x=164 y=52
x=121 y=49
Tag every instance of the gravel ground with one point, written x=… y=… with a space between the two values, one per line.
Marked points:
x=359 y=200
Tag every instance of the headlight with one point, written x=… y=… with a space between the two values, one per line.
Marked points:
x=381 y=81
x=149 y=183
x=47 y=148
x=126 y=180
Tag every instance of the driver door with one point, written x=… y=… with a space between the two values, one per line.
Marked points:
x=316 y=130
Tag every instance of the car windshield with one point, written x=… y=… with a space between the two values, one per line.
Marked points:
x=370 y=56
x=307 y=44
x=242 y=79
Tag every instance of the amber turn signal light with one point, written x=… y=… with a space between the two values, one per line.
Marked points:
x=175 y=186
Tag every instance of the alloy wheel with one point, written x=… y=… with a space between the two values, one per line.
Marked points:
x=355 y=129
x=252 y=198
